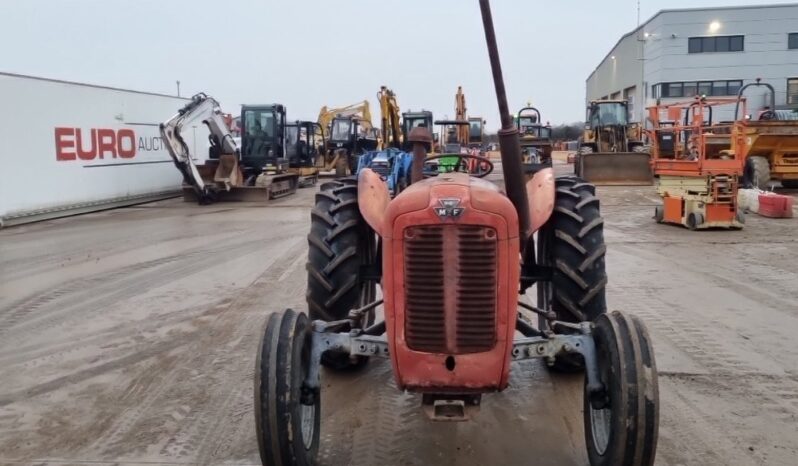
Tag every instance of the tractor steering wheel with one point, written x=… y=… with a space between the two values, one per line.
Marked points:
x=462 y=165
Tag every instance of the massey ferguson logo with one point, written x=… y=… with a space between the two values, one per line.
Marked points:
x=449 y=208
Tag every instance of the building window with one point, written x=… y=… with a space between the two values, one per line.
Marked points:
x=694 y=88
x=629 y=97
x=672 y=90
x=734 y=87
x=715 y=44
x=792 y=91
x=792 y=40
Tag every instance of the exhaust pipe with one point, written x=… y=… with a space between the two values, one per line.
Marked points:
x=510 y=145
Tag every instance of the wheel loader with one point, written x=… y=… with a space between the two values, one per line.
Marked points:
x=611 y=150
x=454 y=255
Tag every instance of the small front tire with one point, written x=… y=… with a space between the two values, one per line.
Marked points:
x=287 y=414
x=622 y=420
x=659 y=214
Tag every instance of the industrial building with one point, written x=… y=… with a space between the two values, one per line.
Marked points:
x=681 y=53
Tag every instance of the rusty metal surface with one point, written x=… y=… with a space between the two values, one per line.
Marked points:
x=617 y=168
x=372 y=198
x=540 y=194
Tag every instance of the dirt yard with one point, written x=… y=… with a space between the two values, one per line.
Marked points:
x=129 y=337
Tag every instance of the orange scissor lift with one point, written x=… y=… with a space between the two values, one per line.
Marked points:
x=697 y=171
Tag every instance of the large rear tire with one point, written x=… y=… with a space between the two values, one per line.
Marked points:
x=340 y=243
x=622 y=420
x=756 y=173
x=572 y=244
x=287 y=415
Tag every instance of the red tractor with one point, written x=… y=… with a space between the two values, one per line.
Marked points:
x=453 y=254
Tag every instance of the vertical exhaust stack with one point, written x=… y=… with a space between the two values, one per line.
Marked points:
x=509 y=143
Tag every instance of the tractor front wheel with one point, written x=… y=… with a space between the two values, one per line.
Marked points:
x=572 y=244
x=287 y=414
x=622 y=419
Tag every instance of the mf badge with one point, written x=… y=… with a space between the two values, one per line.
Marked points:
x=449 y=208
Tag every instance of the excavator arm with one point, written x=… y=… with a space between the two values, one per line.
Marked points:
x=361 y=110
x=206 y=109
x=391 y=129
x=460 y=114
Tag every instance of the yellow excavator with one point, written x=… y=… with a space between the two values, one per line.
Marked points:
x=470 y=135
x=391 y=124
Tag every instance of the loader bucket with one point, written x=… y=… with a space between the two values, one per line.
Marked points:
x=616 y=168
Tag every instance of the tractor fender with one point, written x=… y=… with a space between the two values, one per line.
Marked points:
x=372 y=198
x=540 y=196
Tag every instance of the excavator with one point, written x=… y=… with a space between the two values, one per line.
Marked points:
x=258 y=170
x=304 y=145
x=611 y=150
x=412 y=120
x=391 y=129
x=350 y=132
x=470 y=136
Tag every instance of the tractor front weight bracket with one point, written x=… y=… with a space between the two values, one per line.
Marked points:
x=548 y=348
x=354 y=343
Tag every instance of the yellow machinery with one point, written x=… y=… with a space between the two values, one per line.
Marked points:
x=460 y=115
x=360 y=110
x=391 y=124
x=768 y=143
x=472 y=134
x=611 y=150
x=348 y=131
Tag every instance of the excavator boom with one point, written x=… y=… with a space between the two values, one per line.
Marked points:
x=206 y=109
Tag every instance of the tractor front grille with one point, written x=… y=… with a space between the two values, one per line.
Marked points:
x=450 y=286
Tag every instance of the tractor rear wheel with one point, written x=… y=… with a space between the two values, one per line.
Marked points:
x=572 y=244
x=622 y=419
x=287 y=414
x=340 y=243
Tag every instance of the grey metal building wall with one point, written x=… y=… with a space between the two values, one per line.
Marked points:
x=657 y=52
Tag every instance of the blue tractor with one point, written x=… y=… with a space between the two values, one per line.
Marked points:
x=392 y=164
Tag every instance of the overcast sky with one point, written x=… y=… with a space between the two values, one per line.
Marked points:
x=309 y=53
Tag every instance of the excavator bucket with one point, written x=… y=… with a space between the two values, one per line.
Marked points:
x=616 y=168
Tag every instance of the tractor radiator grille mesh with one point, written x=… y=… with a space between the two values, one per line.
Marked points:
x=450 y=280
